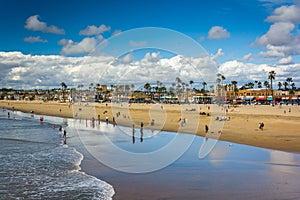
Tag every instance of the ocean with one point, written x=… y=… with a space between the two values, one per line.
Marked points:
x=36 y=164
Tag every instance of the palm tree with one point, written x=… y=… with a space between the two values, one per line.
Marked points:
x=279 y=85
x=271 y=76
x=219 y=85
x=256 y=82
x=234 y=83
x=223 y=78
x=147 y=87
x=289 y=80
x=80 y=86
x=266 y=84
x=259 y=84
x=285 y=84
x=112 y=87
x=293 y=86
x=91 y=86
x=251 y=85
x=191 y=84
x=204 y=85
x=64 y=87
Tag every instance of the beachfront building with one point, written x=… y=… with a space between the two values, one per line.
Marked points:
x=287 y=97
x=259 y=95
x=122 y=93
x=262 y=96
x=201 y=99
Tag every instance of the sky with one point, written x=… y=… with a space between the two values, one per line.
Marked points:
x=46 y=42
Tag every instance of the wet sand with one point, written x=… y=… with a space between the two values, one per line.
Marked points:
x=230 y=171
x=280 y=132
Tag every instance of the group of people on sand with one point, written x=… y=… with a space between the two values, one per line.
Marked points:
x=261 y=125
x=223 y=118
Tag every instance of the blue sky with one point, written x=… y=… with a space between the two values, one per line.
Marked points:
x=260 y=34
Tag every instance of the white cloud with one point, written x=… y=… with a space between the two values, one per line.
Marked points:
x=246 y=72
x=247 y=57
x=33 y=23
x=94 y=30
x=34 y=39
x=285 y=14
x=127 y=59
x=218 y=32
x=151 y=57
x=283 y=36
x=286 y=61
x=29 y=71
x=85 y=46
x=278 y=34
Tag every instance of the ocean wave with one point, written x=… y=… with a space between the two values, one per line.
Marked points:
x=34 y=165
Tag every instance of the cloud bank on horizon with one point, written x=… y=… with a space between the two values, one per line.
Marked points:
x=80 y=62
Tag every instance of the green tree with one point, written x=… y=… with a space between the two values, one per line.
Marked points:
x=63 y=87
x=147 y=87
x=279 y=85
x=285 y=84
x=191 y=84
x=271 y=76
x=289 y=80
x=259 y=84
x=267 y=84
x=204 y=84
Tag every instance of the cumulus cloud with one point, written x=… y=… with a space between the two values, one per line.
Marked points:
x=246 y=72
x=94 y=30
x=283 y=36
x=285 y=14
x=278 y=34
x=34 y=39
x=151 y=57
x=247 y=57
x=29 y=71
x=47 y=71
x=218 y=32
x=127 y=59
x=85 y=46
x=286 y=61
x=33 y=23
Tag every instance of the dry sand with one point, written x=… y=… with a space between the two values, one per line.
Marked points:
x=281 y=129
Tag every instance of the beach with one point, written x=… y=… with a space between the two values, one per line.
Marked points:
x=280 y=131
x=229 y=171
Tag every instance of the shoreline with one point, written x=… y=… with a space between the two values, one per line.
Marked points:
x=280 y=131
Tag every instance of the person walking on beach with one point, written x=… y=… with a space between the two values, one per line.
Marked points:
x=206 y=129
x=106 y=119
x=114 y=121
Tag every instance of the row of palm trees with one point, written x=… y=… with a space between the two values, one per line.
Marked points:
x=288 y=83
x=181 y=88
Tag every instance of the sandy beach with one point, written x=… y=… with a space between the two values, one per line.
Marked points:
x=280 y=131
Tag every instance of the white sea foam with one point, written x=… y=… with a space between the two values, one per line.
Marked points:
x=35 y=167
